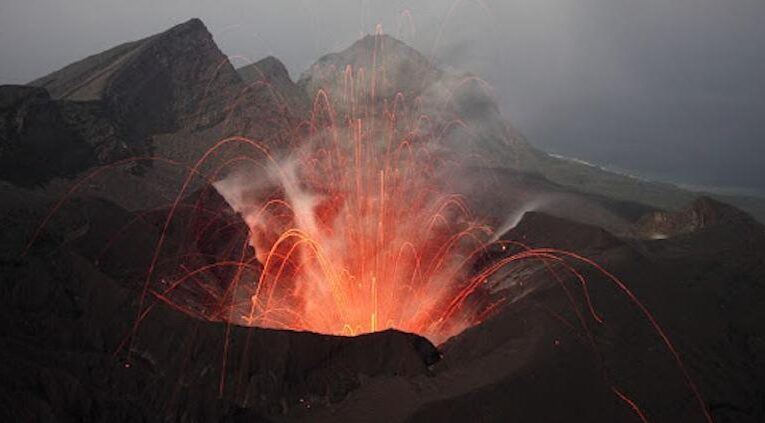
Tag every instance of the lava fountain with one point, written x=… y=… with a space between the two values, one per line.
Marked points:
x=354 y=229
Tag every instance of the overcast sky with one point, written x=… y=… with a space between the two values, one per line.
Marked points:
x=667 y=89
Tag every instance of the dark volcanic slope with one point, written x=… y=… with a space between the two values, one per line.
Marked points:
x=67 y=308
x=593 y=179
x=67 y=353
x=702 y=213
x=534 y=360
x=31 y=122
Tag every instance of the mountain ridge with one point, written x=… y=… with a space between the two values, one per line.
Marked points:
x=209 y=106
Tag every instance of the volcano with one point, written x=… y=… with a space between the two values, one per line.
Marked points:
x=182 y=240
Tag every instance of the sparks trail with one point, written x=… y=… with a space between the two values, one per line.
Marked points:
x=631 y=404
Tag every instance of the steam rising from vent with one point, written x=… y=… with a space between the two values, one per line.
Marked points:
x=514 y=218
x=355 y=234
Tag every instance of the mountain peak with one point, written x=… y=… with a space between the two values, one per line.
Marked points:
x=89 y=78
x=154 y=83
x=370 y=40
x=184 y=29
x=269 y=68
x=383 y=67
x=193 y=23
x=397 y=66
x=270 y=74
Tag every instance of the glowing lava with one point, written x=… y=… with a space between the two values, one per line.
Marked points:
x=355 y=230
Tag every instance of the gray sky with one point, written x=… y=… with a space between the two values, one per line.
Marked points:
x=668 y=89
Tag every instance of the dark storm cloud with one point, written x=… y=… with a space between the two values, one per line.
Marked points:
x=668 y=89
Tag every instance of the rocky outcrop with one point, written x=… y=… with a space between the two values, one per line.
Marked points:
x=700 y=214
x=42 y=138
x=35 y=141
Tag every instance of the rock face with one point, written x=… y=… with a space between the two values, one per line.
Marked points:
x=158 y=84
x=702 y=213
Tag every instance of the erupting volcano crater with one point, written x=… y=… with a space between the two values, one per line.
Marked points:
x=355 y=227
